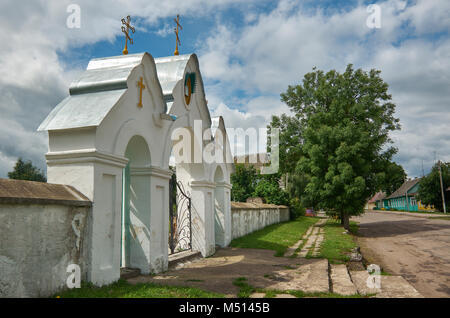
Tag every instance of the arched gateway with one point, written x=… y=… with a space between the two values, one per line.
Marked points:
x=112 y=139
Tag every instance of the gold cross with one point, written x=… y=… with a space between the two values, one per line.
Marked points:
x=125 y=29
x=177 y=42
x=141 y=86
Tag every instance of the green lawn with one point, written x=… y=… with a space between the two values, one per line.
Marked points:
x=123 y=289
x=337 y=245
x=245 y=290
x=440 y=217
x=417 y=212
x=276 y=237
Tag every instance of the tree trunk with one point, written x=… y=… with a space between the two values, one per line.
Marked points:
x=341 y=217
x=346 y=221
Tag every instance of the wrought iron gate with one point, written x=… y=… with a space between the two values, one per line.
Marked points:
x=180 y=219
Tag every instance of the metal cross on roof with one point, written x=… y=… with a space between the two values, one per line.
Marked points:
x=177 y=21
x=125 y=29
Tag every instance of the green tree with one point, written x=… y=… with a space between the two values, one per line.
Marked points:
x=430 y=187
x=393 y=177
x=290 y=141
x=244 y=181
x=269 y=189
x=346 y=119
x=24 y=170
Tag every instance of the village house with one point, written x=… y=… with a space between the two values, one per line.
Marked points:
x=404 y=198
x=372 y=203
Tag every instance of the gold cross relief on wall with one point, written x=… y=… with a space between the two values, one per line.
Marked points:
x=141 y=86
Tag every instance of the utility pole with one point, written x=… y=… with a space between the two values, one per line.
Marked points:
x=442 y=187
x=423 y=173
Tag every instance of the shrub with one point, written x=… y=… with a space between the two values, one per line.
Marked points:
x=271 y=192
x=296 y=208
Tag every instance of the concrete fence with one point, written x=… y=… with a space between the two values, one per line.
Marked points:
x=46 y=227
x=43 y=229
x=247 y=217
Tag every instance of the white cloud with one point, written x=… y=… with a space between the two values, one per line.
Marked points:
x=245 y=67
x=279 y=47
x=33 y=79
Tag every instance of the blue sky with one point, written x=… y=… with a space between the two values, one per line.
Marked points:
x=249 y=52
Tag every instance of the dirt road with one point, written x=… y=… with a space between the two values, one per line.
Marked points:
x=416 y=248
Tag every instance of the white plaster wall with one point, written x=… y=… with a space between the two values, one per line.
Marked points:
x=37 y=243
x=247 y=220
x=159 y=220
x=92 y=159
x=140 y=222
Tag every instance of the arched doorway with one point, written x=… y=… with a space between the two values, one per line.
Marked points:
x=135 y=243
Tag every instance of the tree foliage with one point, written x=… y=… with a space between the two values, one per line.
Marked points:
x=346 y=119
x=393 y=177
x=244 y=181
x=430 y=187
x=247 y=182
x=270 y=191
x=24 y=170
x=290 y=141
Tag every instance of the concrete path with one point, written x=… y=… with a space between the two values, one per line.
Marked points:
x=341 y=282
x=416 y=248
x=310 y=241
x=410 y=214
x=261 y=268
x=266 y=272
x=390 y=286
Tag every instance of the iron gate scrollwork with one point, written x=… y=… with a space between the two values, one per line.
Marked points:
x=180 y=219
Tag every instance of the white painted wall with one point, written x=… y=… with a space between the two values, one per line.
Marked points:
x=92 y=160
x=249 y=217
x=37 y=243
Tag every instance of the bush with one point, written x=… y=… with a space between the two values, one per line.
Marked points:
x=271 y=192
x=296 y=208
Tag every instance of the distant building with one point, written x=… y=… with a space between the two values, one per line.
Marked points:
x=372 y=202
x=404 y=198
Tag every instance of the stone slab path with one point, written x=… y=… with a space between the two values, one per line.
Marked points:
x=390 y=286
x=310 y=241
x=341 y=281
x=265 y=272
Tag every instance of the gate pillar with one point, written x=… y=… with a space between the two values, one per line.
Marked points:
x=202 y=196
x=159 y=219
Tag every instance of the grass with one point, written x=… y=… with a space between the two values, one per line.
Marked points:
x=245 y=290
x=337 y=245
x=417 y=212
x=301 y=294
x=123 y=289
x=439 y=217
x=276 y=237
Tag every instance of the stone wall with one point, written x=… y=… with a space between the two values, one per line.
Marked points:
x=249 y=217
x=43 y=229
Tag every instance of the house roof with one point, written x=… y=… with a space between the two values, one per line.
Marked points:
x=94 y=93
x=99 y=88
x=408 y=184
x=377 y=197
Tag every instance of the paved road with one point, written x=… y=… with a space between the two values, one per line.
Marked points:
x=416 y=248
